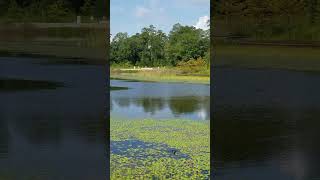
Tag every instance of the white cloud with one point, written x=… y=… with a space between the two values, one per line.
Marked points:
x=142 y=11
x=202 y=23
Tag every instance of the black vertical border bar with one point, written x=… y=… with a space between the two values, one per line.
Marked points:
x=107 y=91
x=212 y=85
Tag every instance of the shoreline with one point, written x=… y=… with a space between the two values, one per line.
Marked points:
x=59 y=58
x=164 y=79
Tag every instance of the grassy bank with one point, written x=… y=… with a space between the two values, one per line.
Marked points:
x=269 y=57
x=174 y=149
x=161 y=75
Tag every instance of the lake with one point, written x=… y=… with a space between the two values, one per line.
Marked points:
x=159 y=130
x=160 y=100
x=52 y=116
x=266 y=124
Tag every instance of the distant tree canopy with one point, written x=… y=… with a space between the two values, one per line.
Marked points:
x=153 y=47
x=51 y=10
x=268 y=17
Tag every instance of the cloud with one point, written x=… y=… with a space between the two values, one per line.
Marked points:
x=142 y=11
x=202 y=23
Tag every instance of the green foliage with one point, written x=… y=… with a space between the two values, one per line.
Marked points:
x=153 y=47
x=57 y=11
x=266 y=19
x=87 y=9
x=193 y=65
x=185 y=43
x=187 y=136
x=50 y=10
x=14 y=11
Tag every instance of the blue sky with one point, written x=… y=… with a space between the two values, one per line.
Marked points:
x=132 y=15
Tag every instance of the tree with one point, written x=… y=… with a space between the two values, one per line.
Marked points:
x=120 y=51
x=231 y=8
x=185 y=43
x=87 y=8
x=14 y=10
x=313 y=10
x=57 y=11
x=152 y=47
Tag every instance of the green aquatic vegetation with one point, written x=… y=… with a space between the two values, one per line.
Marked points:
x=160 y=149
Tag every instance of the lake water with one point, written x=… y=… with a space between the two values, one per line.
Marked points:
x=266 y=124
x=51 y=118
x=160 y=100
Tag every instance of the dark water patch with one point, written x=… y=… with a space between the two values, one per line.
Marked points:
x=125 y=80
x=266 y=124
x=4 y=53
x=8 y=84
x=73 y=61
x=116 y=88
x=47 y=127
x=142 y=150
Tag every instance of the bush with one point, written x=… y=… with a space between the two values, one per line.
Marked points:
x=196 y=66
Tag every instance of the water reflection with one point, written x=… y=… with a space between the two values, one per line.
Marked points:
x=43 y=127
x=266 y=124
x=171 y=102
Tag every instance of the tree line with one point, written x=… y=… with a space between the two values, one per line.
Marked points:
x=153 y=47
x=51 y=10
x=296 y=18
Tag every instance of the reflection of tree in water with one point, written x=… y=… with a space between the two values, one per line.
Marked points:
x=92 y=128
x=177 y=105
x=259 y=133
x=182 y=105
x=40 y=128
x=50 y=128
x=4 y=136
x=150 y=105
x=122 y=102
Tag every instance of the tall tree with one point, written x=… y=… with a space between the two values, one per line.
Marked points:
x=185 y=43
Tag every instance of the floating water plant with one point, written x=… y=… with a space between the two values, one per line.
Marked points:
x=159 y=149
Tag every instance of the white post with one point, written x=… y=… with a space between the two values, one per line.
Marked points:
x=78 y=19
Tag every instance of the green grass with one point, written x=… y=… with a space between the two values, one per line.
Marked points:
x=167 y=75
x=269 y=57
x=189 y=137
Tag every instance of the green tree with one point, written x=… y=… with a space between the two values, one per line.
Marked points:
x=57 y=11
x=14 y=10
x=185 y=43
x=87 y=8
x=120 y=49
x=153 y=46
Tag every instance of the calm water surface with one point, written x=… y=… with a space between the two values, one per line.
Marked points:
x=160 y=100
x=51 y=118
x=266 y=124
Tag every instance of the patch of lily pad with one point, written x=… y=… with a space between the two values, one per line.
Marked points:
x=142 y=150
x=160 y=149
